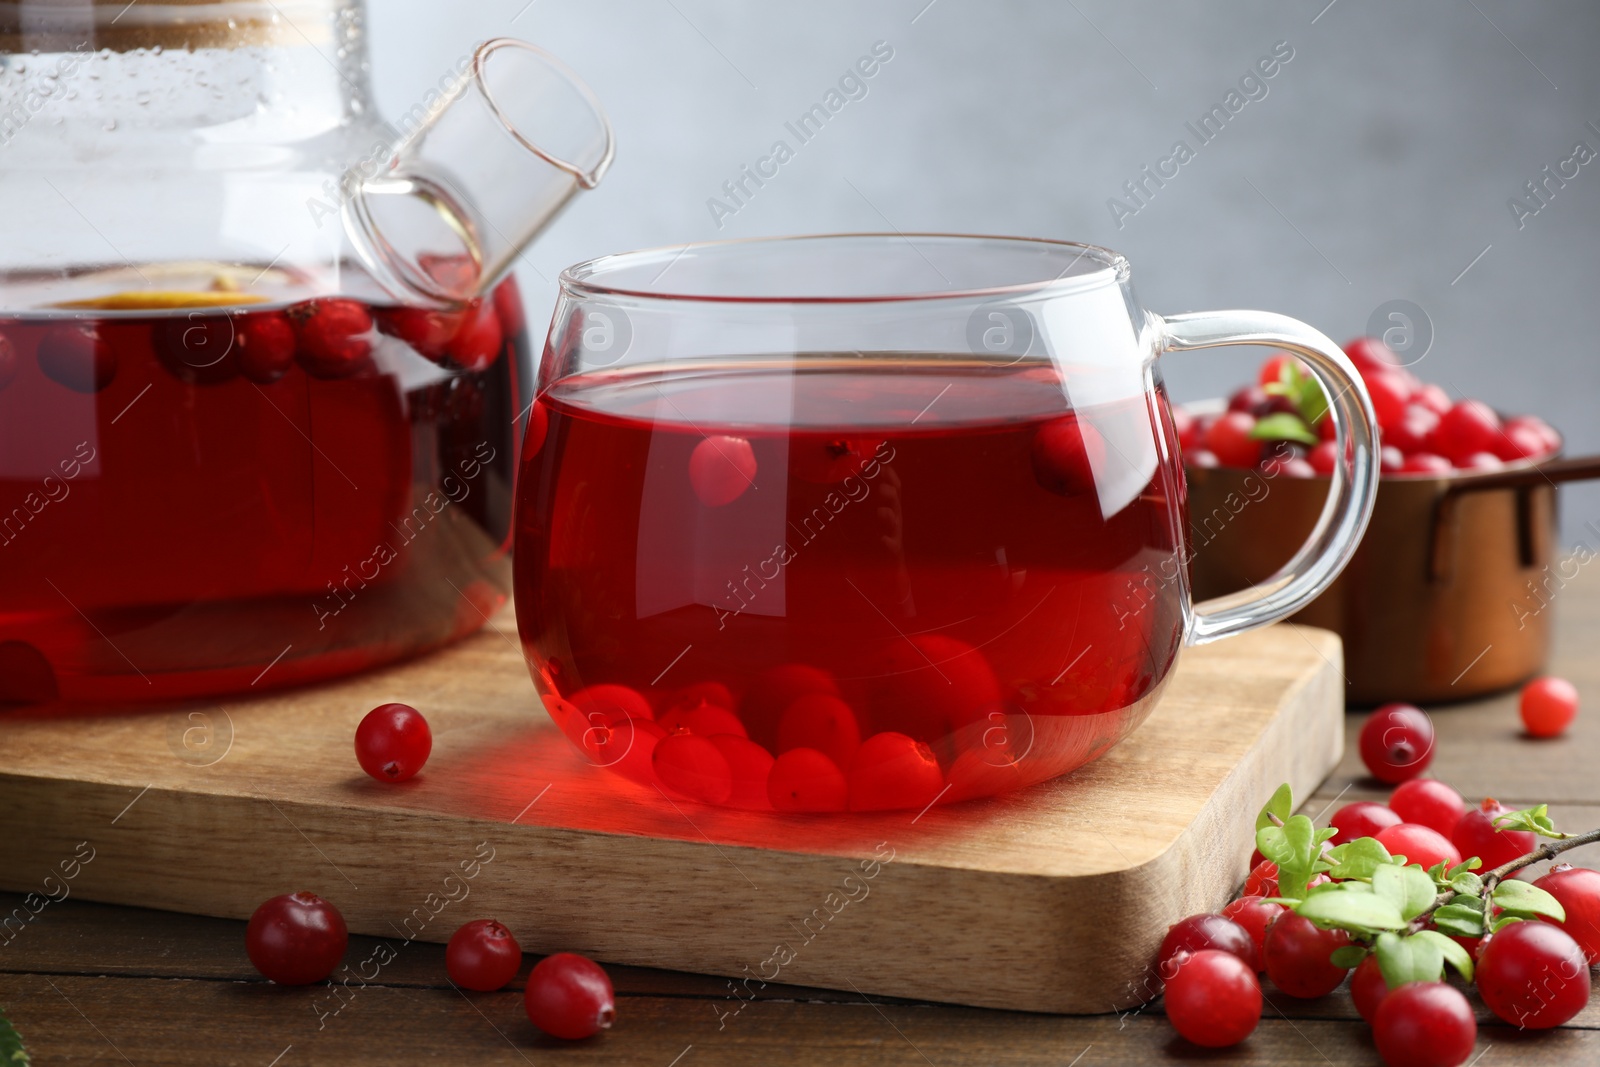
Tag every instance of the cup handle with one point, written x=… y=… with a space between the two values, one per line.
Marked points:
x=1354 y=483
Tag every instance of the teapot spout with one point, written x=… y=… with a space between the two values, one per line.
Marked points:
x=477 y=175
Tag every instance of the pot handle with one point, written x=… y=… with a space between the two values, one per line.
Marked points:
x=1441 y=549
x=1353 y=486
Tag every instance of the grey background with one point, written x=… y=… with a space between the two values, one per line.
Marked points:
x=1377 y=167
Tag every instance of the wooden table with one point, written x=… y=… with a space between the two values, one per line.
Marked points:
x=95 y=983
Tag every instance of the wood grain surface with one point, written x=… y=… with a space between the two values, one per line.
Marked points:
x=1051 y=899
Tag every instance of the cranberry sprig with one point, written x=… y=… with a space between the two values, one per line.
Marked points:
x=1302 y=395
x=11 y=1050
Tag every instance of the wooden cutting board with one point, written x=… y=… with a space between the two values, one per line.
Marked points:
x=1052 y=899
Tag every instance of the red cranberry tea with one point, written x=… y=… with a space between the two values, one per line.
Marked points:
x=818 y=585
x=197 y=500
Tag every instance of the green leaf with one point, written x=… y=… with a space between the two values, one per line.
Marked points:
x=1454 y=954
x=1348 y=956
x=1358 y=858
x=12 y=1054
x=1522 y=899
x=1535 y=820
x=1459 y=919
x=1279 y=807
x=1407 y=888
x=1505 y=921
x=1464 y=881
x=1283 y=426
x=1352 y=907
x=1409 y=959
x=1300 y=853
x=1471 y=863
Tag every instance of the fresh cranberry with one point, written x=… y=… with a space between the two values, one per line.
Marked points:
x=1391 y=460
x=1363 y=818
x=1213 y=999
x=1262 y=880
x=771 y=692
x=1202 y=459
x=482 y=955
x=77 y=357
x=265 y=346
x=1552 y=439
x=1548 y=706
x=570 y=997
x=1480 y=461
x=1429 y=802
x=694 y=767
x=1432 y=397
x=1414 y=431
x=1425 y=463
x=1425 y=1024
x=1533 y=975
x=1390 y=395
x=1229 y=440
x=478 y=342
x=1297 y=954
x=1255 y=914
x=1324 y=457
x=8 y=361
x=1419 y=845
x=822 y=722
x=1185 y=427
x=1368 y=988
x=1371 y=355
x=334 y=337
x=1250 y=399
x=804 y=779
x=1066 y=454
x=197 y=347
x=1578 y=890
x=1326 y=430
x=1476 y=835
x=1397 y=743
x=1519 y=442
x=1199 y=932
x=428 y=331
x=296 y=939
x=1272 y=370
x=749 y=767
x=892 y=770
x=393 y=742
x=703 y=719
x=1468 y=428
x=721 y=468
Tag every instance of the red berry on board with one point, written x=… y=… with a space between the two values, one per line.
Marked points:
x=1213 y=999
x=1425 y=463
x=1255 y=914
x=822 y=722
x=693 y=767
x=1429 y=802
x=74 y=355
x=1262 y=880
x=1533 y=975
x=482 y=955
x=1397 y=742
x=1066 y=454
x=750 y=766
x=296 y=939
x=721 y=469
x=1229 y=440
x=477 y=344
x=264 y=347
x=335 y=337
x=1368 y=988
x=1578 y=890
x=1548 y=706
x=1468 y=428
x=804 y=779
x=1296 y=953
x=1199 y=932
x=1476 y=835
x=1419 y=845
x=1363 y=818
x=1425 y=1024
x=892 y=770
x=393 y=742
x=570 y=997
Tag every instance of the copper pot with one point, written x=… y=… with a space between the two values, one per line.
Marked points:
x=1446 y=597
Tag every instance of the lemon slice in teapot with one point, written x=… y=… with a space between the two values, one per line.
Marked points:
x=162 y=299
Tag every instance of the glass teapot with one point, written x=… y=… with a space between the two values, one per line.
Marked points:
x=262 y=367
